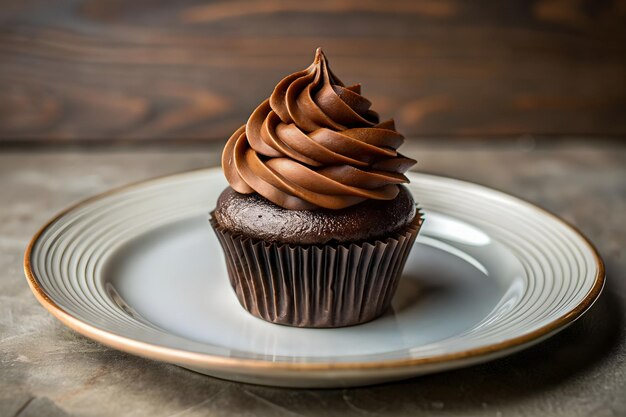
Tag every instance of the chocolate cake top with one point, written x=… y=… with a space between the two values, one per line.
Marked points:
x=315 y=143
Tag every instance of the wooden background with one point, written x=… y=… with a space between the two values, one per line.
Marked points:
x=90 y=71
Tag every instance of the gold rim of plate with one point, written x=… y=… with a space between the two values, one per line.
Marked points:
x=194 y=359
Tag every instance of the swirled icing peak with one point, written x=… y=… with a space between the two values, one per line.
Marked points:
x=315 y=143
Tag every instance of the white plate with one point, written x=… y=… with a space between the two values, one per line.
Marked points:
x=139 y=269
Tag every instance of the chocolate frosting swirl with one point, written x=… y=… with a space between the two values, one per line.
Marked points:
x=315 y=143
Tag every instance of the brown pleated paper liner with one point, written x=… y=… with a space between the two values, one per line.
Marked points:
x=331 y=285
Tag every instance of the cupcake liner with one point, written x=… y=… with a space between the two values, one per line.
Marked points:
x=330 y=285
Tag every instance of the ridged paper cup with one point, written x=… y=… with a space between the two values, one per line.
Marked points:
x=330 y=285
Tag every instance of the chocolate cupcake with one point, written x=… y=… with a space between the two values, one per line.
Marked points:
x=316 y=226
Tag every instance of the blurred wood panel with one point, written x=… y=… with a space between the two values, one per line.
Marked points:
x=192 y=71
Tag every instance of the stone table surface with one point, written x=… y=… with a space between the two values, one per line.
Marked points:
x=47 y=369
